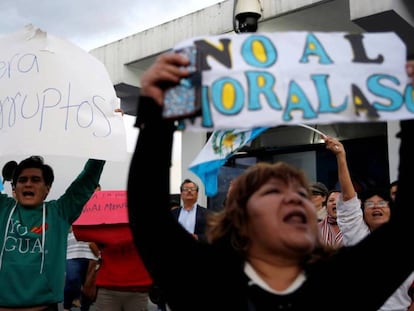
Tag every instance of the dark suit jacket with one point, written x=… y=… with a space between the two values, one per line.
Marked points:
x=200 y=222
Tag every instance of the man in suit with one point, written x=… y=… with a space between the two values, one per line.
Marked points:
x=191 y=215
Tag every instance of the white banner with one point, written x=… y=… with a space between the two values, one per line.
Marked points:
x=56 y=99
x=269 y=79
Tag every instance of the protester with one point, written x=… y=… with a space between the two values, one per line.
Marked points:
x=264 y=252
x=356 y=222
x=79 y=256
x=120 y=281
x=34 y=233
x=331 y=234
x=191 y=215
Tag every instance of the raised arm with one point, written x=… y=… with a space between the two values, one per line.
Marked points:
x=161 y=241
x=350 y=217
x=347 y=187
x=81 y=189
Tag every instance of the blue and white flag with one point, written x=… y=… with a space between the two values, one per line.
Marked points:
x=221 y=145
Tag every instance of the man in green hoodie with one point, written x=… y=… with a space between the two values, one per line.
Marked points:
x=33 y=234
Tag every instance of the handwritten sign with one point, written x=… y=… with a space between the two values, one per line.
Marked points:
x=105 y=207
x=57 y=99
x=270 y=79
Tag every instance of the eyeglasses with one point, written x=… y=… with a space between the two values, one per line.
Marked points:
x=188 y=189
x=371 y=204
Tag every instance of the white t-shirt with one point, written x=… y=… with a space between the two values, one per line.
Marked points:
x=350 y=218
x=78 y=249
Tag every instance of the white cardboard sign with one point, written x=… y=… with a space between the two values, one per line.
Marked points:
x=57 y=99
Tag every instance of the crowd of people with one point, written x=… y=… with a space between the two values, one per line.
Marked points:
x=100 y=265
x=265 y=244
x=277 y=244
x=360 y=214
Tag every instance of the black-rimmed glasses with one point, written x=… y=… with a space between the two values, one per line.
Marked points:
x=188 y=189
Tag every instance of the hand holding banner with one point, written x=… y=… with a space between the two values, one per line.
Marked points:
x=287 y=78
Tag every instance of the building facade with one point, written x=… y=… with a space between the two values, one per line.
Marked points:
x=127 y=58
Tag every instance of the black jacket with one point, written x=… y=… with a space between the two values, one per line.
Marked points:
x=200 y=222
x=199 y=276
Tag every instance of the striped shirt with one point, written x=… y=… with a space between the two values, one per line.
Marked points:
x=78 y=249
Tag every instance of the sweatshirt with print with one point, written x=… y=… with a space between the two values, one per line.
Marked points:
x=33 y=242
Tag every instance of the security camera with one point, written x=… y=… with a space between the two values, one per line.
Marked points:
x=246 y=15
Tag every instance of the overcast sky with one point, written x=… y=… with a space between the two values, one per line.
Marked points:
x=93 y=23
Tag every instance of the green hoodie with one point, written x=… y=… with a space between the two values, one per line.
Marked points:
x=28 y=275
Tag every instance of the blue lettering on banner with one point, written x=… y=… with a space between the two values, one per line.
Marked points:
x=228 y=96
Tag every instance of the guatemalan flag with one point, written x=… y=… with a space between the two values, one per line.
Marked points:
x=221 y=145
